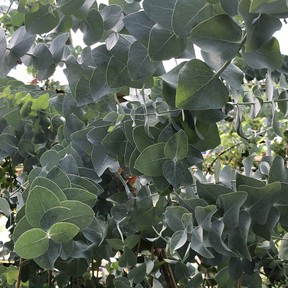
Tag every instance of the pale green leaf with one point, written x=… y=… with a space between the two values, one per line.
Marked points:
x=80 y=195
x=160 y=11
x=164 y=45
x=41 y=21
x=42 y=57
x=41 y=103
x=93 y=27
x=151 y=159
x=220 y=35
x=176 y=147
x=69 y=7
x=268 y=56
x=21 y=42
x=177 y=240
x=62 y=232
x=3 y=43
x=4 y=207
x=139 y=25
x=80 y=214
x=52 y=216
x=139 y=64
x=39 y=201
x=187 y=14
x=32 y=243
x=137 y=274
x=111 y=15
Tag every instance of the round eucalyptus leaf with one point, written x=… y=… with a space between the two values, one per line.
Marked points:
x=62 y=232
x=32 y=243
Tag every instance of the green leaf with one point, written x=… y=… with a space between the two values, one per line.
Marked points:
x=216 y=241
x=48 y=184
x=197 y=243
x=62 y=232
x=160 y=11
x=188 y=14
x=139 y=64
x=58 y=176
x=22 y=226
x=4 y=207
x=198 y=85
x=41 y=103
x=269 y=7
x=137 y=274
x=232 y=74
x=260 y=200
x=115 y=141
x=111 y=15
x=278 y=170
x=48 y=259
x=142 y=140
x=57 y=46
x=139 y=25
x=268 y=56
x=231 y=204
x=117 y=73
x=176 y=147
x=8 y=145
x=131 y=241
x=283 y=249
x=92 y=27
x=151 y=159
x=178 y=240
x=39 y=201
x=49 y=159
x=238 y=238
x=164 y=45
x=41 y=21
x=128 y=258
x=255 y=38
x=80 y=214
x=116 y=243
x=21 y=42
x=176 y=173
x=32 y=243
x=3 y=43
x=69 y=7
x=173 y=217
x=204 y=216
x=42 y=57
x=80 y=195
x=220 y=35
x=52 y=216
x=211 y=192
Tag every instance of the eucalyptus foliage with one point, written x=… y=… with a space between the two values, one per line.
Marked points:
x=112 y=164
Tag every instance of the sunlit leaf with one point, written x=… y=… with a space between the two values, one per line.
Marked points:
x=198 y=85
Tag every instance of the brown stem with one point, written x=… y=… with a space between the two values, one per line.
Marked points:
x=18 y=282
x=239 y=282
x=166 y=269
x=49 y=278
